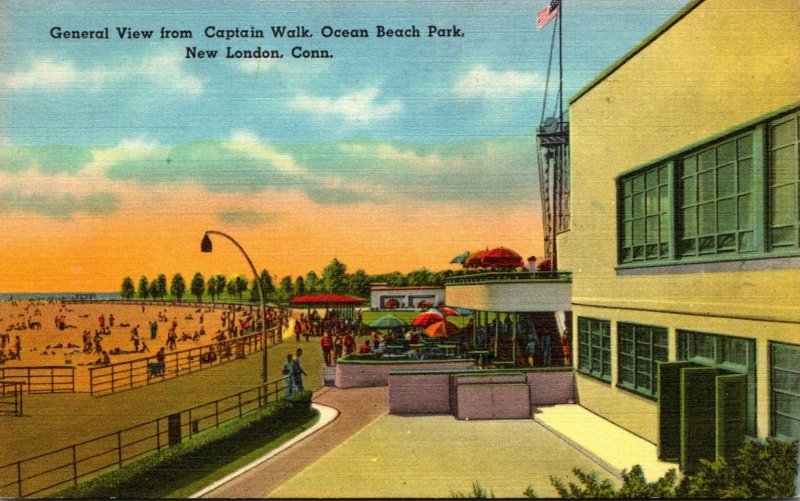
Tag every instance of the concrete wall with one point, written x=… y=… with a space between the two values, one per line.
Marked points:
x=525 y=296
x=551 y=387
x=493 y=401
x=362 y=374
x=424 y=393
x=408 y=297
x=725 y=63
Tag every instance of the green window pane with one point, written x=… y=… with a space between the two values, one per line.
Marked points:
x=706 y=217
x=786 y=357
x=689 y=246
x=784 y=205
x=746 y=241
x=628 y=233
x=638 y=184
x=652 y=229
x=627 y=187
x=651 y=198
x=726 y=215
x=651 y=251
x=706 y=245
x=705 y=184
x=706 y=160
x=651 y=178
x=663 y=175
x=638 y=205
x=664 y=228
x=689 y=191
x=726 y=242
x=784 y=165
x=734 y=351
x=628 y=203
x=745 y=146
x=784 y=133
x=689 y=165
x=787 y=426
x=663 y=199
x=726 y=181
x=745 y=212
x=664 y=249
x=726 y=153
x=625 y=255
x=638 y=252
x=786 y=381
x=783 y=236
x=638 y=231
x=690 y=222
x=745 y=175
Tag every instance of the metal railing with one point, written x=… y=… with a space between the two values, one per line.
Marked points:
x=10 y=398
x=45 y=379
x=510 y=276
x=68 y=465
x=107 y=379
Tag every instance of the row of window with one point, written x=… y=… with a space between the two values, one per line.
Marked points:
x=641 y=347
x=710 y=202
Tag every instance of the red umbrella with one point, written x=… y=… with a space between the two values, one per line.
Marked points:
x=392 y=303
x=501 y=257
x=474 y=259
x=450 y=312
x=442 y=329
x=427 y=318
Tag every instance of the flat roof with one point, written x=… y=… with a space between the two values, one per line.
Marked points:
x=637 y=48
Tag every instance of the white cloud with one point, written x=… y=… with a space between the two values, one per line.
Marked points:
x=357 y=107
x=483 y=82
x=163 y=71
x=254 y=65
x=139 y=143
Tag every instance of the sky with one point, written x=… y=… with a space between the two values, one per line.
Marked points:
x=390 y=154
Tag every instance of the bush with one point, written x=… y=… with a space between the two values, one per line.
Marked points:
x=162 y=472
x=478 y=492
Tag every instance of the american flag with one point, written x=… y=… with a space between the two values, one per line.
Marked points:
x=548 y=13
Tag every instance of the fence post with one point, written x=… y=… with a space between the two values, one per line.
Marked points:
x=19 y=478
x=240 y=404
x=216 y=411
x=130 y=372
x=52 y=379
x=74 y=466
x=119 y=447
x=191 y=423
x=158 y=434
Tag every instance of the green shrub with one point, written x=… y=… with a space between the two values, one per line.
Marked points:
x=161 y=472
x=478 y=492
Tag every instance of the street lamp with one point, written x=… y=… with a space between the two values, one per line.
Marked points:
x=205 y=246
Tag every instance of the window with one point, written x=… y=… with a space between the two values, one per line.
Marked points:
x=785 y=390
x=594 y=347
x=784 y=168
x=729 y=353
x=640 y=347
x=735 y=197
x=716 y=189
x=645 y=217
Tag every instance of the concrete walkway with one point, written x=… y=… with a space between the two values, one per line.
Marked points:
x=358 y=407
x=606 y=443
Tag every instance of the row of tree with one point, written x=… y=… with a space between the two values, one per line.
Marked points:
x=334 y=279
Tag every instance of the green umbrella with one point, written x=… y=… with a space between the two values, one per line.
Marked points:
x=460 y=258
x=387 y=322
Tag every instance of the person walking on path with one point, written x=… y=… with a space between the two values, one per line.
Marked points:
x=298 y=372
x=288 y=376
x=530 y=351
x=327 y=345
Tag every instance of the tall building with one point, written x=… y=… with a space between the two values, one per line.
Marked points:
x=684 y=239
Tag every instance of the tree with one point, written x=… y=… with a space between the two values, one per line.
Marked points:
x=358 y=284
x=211 y=286
x=144 y=289
x=299 y=285
x=178 y=287
x=198 y=286
x=221 y=284
x=266 y=284
x=241 y=286
x=312 y=282
x=334 y=276
x=154 y=290
x=162 y=286
x=286 y=288
x=231 y=289
x=128 y=290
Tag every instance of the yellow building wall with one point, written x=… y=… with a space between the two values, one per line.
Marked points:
x=725 y=63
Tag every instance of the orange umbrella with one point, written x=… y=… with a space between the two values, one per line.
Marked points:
x=427 y=318
x=442 y=329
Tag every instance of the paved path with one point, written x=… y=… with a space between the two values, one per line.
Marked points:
x=358 y=407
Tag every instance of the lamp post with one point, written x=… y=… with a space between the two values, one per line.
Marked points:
x=205 y=246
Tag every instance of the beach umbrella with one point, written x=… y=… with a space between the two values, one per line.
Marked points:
x=450 y=312
x=474 y=259
x=387 y=322
x=427 y=318
x=442 y=328
x=501 y=257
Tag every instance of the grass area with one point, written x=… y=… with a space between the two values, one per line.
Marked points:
x=211 y=477
x=185 y=468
